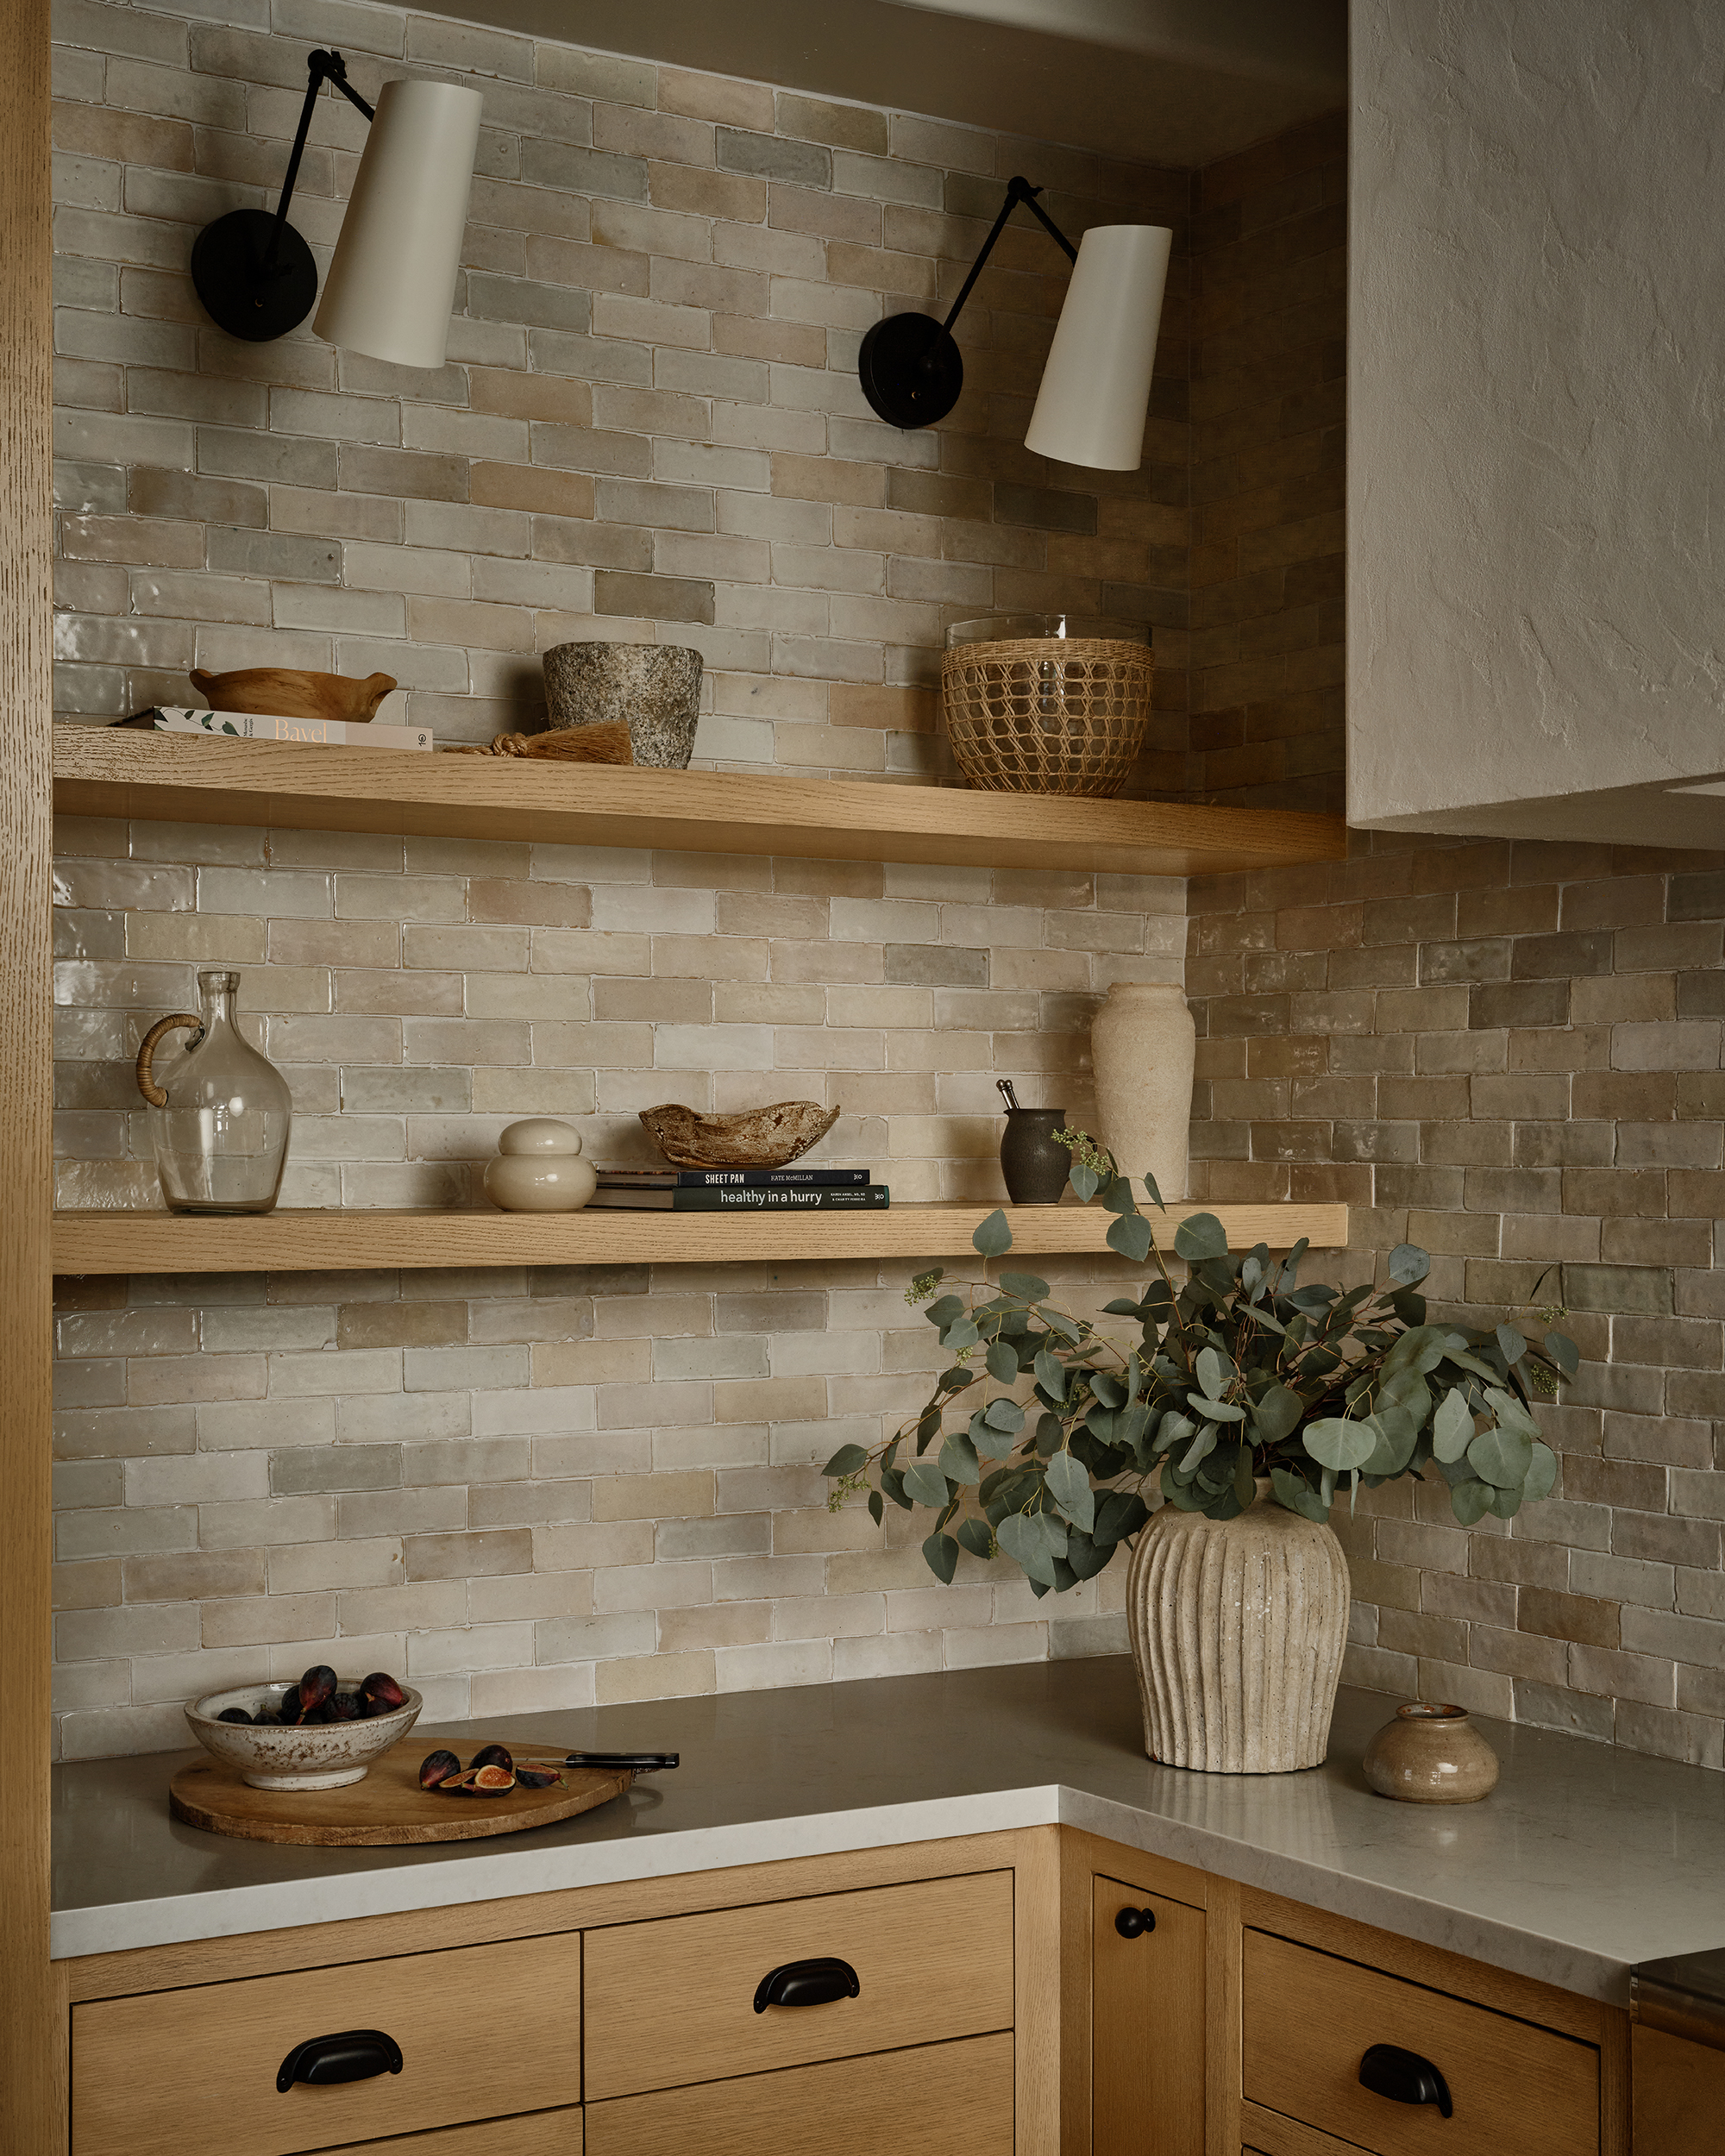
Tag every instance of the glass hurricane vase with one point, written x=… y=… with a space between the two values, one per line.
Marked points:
x=220 y=1125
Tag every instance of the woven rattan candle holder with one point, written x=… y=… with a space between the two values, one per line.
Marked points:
x=1047 y=714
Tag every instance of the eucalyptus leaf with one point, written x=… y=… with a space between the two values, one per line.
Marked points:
x=1541 y=1474
x=925 y=1484
x=1070 y=1486
x=1564 y=1353
x=1130 y=1235
x=1025 y=1285
x=1202 y=1236
x=958 y=1460
x=1217 y=1410
x=1202 y=1445
x=1050 y=1374
x=1511 y=1344
x=1339 y=1444
x=977 y=1537
x=994 y=1238
x=960 y=1334
x=941 y=1553
x=1408 y=1265
x=1502 y=1458
x=1213 y=1371
x=1511 y=1414
x=1289 y=1490
x=1451 y=1427
x=1024 y=1537
x=1276 y=1412
x=1003 y=1363
x=893 y=1482
x=1151 y=1189
x=846 y=1460
x=1085 y=1181
x=1004 y=1415
x=944 y=1312
x=1118 y=1514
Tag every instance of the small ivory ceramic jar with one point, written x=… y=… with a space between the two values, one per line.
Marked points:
x=1431 y=1754
x=539 y=1168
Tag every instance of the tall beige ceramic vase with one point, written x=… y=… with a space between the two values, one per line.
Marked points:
x=1237 y=1628
x=1142 y=1046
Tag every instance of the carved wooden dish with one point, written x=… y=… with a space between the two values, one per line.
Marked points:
x=761 y=1138
x=291 y=692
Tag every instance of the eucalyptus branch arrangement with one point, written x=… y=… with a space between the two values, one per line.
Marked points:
x=1044 y=1436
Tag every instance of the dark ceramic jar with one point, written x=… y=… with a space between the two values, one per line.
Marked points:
x=1035 y=1167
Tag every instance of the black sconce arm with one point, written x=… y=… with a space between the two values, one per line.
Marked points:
x=910 y=367
x=253 y=273
x=324 y=67
x=1019 y=190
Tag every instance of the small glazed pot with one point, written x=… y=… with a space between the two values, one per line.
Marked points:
x=1431 y=1754
x=1035 y=1167
x=539 y=1167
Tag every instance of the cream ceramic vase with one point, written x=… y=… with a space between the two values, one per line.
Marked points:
x=1237 y=1628
x=1142 y=1046
x=538 y=1168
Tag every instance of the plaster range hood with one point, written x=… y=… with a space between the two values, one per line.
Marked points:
x=1164 y=82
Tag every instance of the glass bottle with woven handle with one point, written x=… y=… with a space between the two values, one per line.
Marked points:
x=220 y=1125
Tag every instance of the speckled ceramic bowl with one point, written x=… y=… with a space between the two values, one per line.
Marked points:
x=327 y=1755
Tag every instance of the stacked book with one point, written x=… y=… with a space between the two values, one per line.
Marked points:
x=738 y=1190
x=332 y=733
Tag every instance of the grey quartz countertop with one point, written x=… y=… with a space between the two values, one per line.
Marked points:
x=1583 y=1861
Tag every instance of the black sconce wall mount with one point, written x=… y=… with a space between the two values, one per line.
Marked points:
x=253 y=271
x=911 y=367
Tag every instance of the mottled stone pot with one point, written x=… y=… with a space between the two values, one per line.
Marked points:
x=1143 y=1046
x=1431 y=1754
x=655 y=687
x=1237 y=1628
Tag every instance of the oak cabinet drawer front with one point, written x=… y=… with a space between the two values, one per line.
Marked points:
x=484 y=2031
x=942 y=2100
x=672 y=2001
x=542 y=2133
x=1310 y=2017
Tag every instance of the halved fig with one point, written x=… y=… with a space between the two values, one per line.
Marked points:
x=494 y=1756
x=487 y=1780
x=436 y=1768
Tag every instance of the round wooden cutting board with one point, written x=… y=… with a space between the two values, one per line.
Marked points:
x=387 y=1807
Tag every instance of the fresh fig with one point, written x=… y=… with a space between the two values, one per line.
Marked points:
x=289 y=1712
x=316 y=1686
x=344 y=1707
x=379 y=1694
x=494 y=1756
x=234 y=1715
x=488 y=1781
x=537 y=1778
x=436 y=1768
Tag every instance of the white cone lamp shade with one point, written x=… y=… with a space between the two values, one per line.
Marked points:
x=1096 y=388
x=392 y=283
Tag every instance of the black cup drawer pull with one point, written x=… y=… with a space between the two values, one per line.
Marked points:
x=355 y=2056
x=1404 y=2078
x=1135 y=1923
x=814 y=1982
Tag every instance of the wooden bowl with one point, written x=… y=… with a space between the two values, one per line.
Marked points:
x=287 y=693
x=761 y=1138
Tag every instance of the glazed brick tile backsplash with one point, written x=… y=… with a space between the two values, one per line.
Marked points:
x=649 y=426
x=1515 y=1056
x=536 y=1490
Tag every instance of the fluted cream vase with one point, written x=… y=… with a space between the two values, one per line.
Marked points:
x=1237 y=1628
x=1142 y=1047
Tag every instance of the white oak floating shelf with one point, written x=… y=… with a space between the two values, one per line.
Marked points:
x=363 y=1240
x=100 y=772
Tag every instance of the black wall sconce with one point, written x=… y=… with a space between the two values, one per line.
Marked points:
x=391 y=280
x=1091 y=407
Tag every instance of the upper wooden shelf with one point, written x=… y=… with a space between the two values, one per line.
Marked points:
x=100 y=772
x=358 y=1241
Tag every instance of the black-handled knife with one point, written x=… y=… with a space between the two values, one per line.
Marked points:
x=637 y=1762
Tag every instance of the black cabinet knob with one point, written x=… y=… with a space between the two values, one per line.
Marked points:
x=355 y=2056
x=1135 y=1923
x=1404 y=2078
x=816 y=1982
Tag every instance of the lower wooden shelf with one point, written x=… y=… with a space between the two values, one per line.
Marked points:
x=359 y=1241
